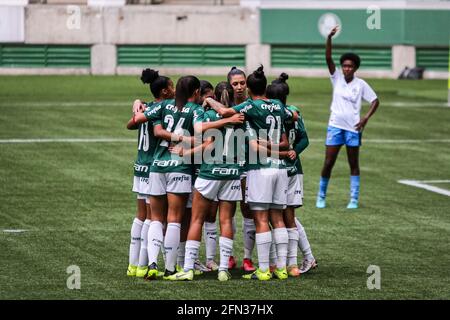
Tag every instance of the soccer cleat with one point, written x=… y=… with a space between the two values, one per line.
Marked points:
x=178 y=268
x=131 y=271
x=224 y=275
x=258 y=275
x=293 y=270
x=353 y=204
x=199 y=268
x=231 y=263
x=152 y=272
x=181 y=276
x=141 y=272
x=320 y=203
x=168 y=273
x=308 y=265
x=281 y=274
x=247 y=265
x=212 y=265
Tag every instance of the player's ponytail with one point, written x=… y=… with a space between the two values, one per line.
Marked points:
x=157 y=83
x=257 y=82
x=224 y=93
x=281 y=81
x=283 y=77
x=185 y=89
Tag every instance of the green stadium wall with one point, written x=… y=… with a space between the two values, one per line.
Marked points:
x=407 y=27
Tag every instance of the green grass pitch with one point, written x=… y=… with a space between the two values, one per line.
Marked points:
x=74 y=198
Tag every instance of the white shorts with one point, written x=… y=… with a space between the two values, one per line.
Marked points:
x=295 y=191
x=141 y=185
x=222 y=190
x=145 y=197
x=173 y=182
x=267 y=188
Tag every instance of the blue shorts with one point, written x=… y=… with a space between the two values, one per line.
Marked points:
x=338 y=137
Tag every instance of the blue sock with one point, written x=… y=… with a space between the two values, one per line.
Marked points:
x=323 y=187
x=354 y=187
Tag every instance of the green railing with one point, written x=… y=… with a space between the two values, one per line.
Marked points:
x=432 y=58
x=314 y=56
x=44 y=56
x=180 y=55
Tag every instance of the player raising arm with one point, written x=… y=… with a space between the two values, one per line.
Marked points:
x=345 y=125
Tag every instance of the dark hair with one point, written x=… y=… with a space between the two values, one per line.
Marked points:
x=205 y=86
x=257 y=81
x=353 y=57
x=157 y=82
x=276 y=91
x=281 y=80
x=186 y=87
x=234 y=71
x=224 y=93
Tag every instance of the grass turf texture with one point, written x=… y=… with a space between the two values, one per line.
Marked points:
x=75 y=200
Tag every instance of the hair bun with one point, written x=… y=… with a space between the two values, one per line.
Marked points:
x=233 y=68
x=283 y=77
x=259 y=73
x=149 y=75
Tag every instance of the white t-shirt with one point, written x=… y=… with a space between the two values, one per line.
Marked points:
x=346 y=104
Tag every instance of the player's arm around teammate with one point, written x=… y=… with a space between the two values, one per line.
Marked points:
x=161 y=88
x=217 y=180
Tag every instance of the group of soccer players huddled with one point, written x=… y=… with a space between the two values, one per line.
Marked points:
x=201 y=150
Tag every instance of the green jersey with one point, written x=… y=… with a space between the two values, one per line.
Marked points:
x=174 y=120
x=298 y=141
x=146 y=148
x=223 y=163
x=264 y=120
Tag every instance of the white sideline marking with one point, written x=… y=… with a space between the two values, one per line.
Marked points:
x=400 y=104
x=65 y=140
x=68 y=104
x=14 y=230
x=392 y=140
x=94 y=140
x=423 y=185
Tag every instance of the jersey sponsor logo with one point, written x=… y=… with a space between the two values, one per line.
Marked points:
x=246 y=108
x=140 y=168
x=181 y=178
x=172 y=108
x=271 y=107
x=165 y=163
x=225 y=171
x=154 y=110
x=276 y=161
x=185 y=110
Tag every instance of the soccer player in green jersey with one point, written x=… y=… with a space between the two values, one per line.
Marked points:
x=238 y=81
x=210 y=226
x=161 y=88
x=219 y=178
x=171 y=175
x=206 y=90
x=264 y=122
x=298 y=141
